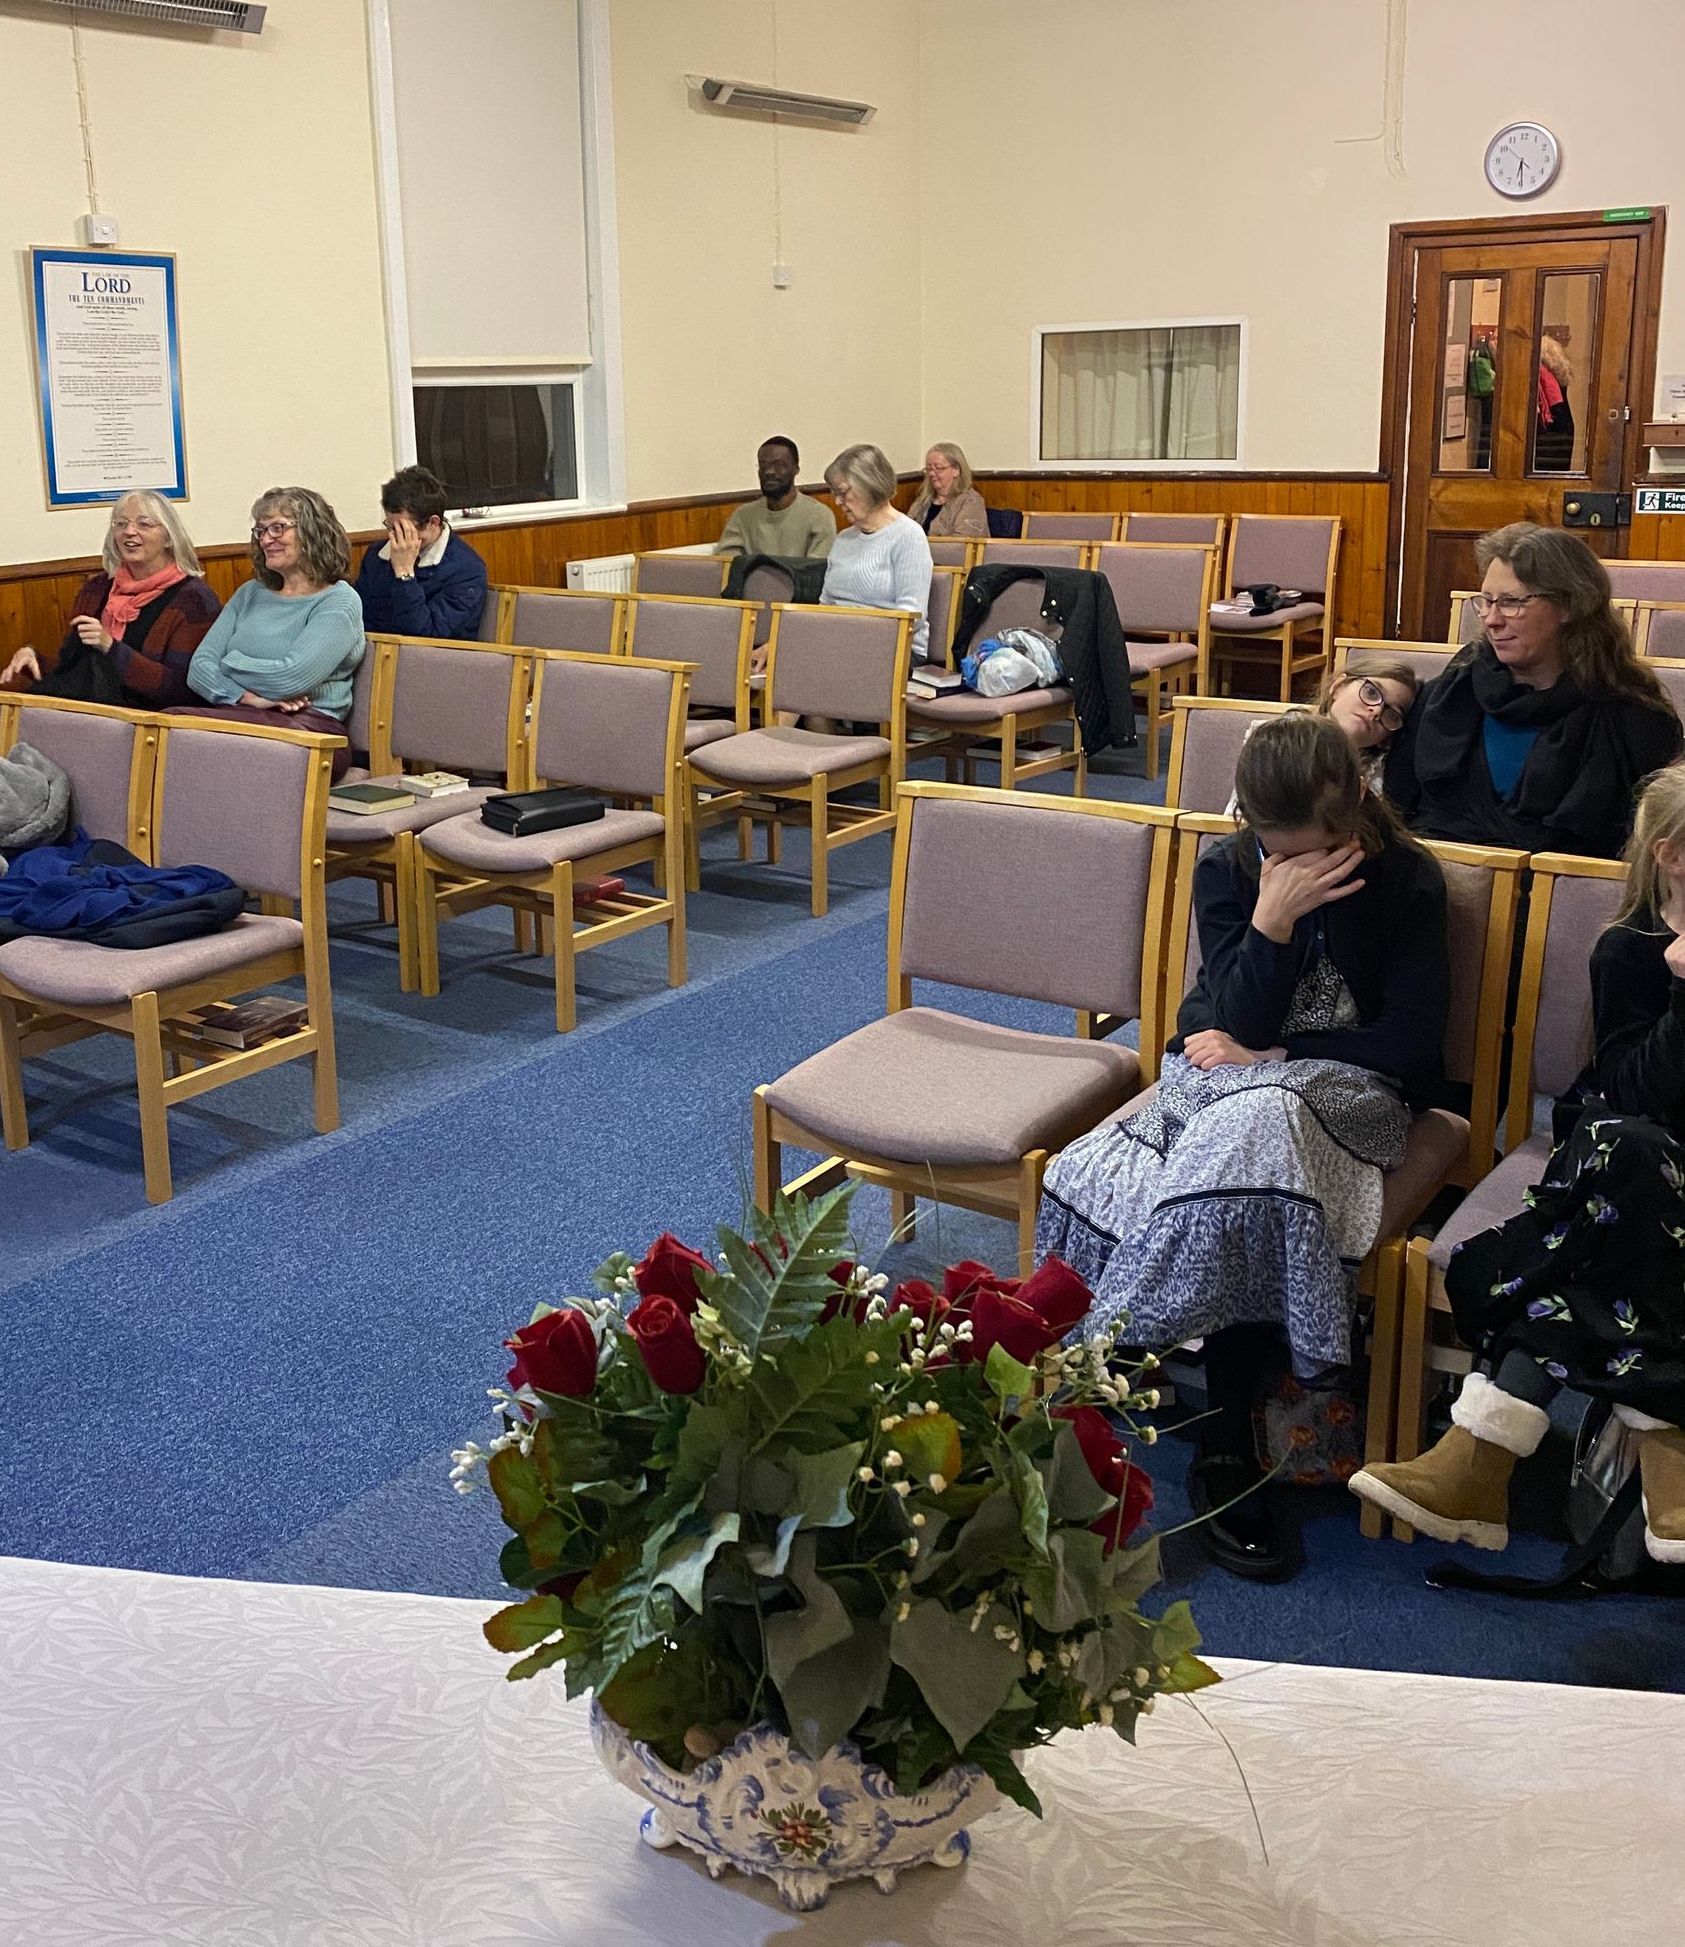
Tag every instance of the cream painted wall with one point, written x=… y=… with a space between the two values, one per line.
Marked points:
x=252 y=160
x=1107 y=160
x=715 y=357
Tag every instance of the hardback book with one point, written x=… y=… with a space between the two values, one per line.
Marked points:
x=587 y=891
x=433 y=784
x=934 y=676
x=365 y=799
x=243 y=1024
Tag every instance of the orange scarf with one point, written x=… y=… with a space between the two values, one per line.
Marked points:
x=130 y=594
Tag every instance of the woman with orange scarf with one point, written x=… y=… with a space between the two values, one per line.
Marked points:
x=134 y=626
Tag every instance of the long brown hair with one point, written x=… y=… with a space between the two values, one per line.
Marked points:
x=324 y=547
x=1659 y=820
x=1298 y=770
x=1596 y=644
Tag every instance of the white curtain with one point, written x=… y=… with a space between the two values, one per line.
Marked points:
x=1163 y=393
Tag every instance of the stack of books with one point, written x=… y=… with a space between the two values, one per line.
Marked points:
x=434 y=784
x=930 y=680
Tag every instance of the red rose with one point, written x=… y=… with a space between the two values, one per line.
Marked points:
x=1058 y=1296
x=556 y=1354
x=668 y=1270
x=671 y=1353
x=1136 y=1502
x=927 y=1304
x=839 y=1274
x=961 y=1282
x=1000 y=1317
x=1108 y=1462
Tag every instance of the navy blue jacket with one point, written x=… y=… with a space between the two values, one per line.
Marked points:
x=445 y=600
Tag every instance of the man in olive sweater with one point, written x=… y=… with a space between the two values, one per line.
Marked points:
x=425 y=579
x=783 y=522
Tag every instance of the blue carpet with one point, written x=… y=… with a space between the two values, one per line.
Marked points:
x=264 y=1377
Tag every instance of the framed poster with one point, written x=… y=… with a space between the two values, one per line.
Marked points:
x=108 y=365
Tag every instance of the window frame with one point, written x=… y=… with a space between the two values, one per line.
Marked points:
x=1040 y=333
x=599 y=417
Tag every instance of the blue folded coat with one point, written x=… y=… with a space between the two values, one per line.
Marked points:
x=95 y=892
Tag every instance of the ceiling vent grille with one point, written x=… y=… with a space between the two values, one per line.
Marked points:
x=233 y=16
x=756 y=98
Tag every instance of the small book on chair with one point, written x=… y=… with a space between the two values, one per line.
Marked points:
x=245 y=1023
x=366 y=799
x=519 y=814
x=434 y=784
x=932 y=679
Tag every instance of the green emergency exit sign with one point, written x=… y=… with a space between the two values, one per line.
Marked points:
x=1659 y=500
x=1626 y=216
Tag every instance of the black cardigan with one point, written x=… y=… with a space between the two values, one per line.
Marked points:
x=1388 y=941
x=1576 y=791
x=1638 y=1017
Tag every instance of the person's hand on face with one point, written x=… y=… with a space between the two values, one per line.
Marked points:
x=1212 y=1048
x=1290 y=886
x=405 y=545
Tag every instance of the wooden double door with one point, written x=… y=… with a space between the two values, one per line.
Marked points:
x=1528 y=369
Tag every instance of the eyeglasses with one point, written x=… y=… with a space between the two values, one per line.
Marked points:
x=1508 y=606
x=1373 y=697
x=272 y=530
x=139 y=526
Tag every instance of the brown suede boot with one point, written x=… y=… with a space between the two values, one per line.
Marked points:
x=1459 y=1491
x=1661 y=1462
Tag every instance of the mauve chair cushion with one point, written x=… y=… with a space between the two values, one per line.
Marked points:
x=96 y=754
x=1433 y=1145
x=75 y=974
x=604 y=726
x=354 y=828
x=836 y=662
x=966 y=706
x=922 y=1086
x=469 y=842
x=1160 y=655
x=559 y=620
x=450 y=707
x=1230 y=621
x=1291 y=553
x=780 y=755
x=707 y=730
x=1562 y=1041
x=210 y=775
x=1156 y=589
x=1493 y=1200
x=693 y=632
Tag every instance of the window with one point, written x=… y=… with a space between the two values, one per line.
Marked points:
x=1141 y=394
x=499 y=444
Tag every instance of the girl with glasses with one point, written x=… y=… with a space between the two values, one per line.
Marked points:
x=1539 y=733
x=287 y=646
x=135 y=625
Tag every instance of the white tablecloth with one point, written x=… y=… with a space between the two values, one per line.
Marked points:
x=252 y=1765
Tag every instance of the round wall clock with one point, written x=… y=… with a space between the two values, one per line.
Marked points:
x=1522 y=159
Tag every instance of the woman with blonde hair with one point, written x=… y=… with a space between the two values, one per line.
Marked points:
x=1538 y=735
x=1586 y=1286
x=135 y=625
x=288 y=644
x=948 y=503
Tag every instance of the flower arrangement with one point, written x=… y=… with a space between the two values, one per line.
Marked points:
x=772 y=1491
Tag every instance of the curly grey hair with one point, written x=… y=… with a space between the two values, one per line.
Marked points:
x=324 y=547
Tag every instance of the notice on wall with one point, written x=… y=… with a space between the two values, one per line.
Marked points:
x=108 y=365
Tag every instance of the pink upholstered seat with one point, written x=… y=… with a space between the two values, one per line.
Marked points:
x=71 y=973
x=967 y=707
x=1237 y=621
x=783 y=755
x=707 y=730
x=471 y=843
x=1160 y=655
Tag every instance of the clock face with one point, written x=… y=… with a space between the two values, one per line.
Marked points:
x=1522 y=159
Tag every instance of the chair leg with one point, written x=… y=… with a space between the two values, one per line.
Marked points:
x=769 y=1155
x=775 y=838
x=693 y=848
x=1081 y=785
x=409 y=976
x=1009 y=754
x=427 y=926
x=14 y=1118
x=819 y=811
x=149 y=1086
x=561 y=901
x=677 y=966
x=324 y=1064
x=1287 y=664
x=745 y=837
x=1383 y=1371
x=1029 y=1200
x=1155 y=704
x=903 y=1214
x=387 y=901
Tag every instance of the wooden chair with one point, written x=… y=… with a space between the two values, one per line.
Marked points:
x=1483 y=892
x=942 y=611
x=1658 y=629
x=679 y=574
x=1571 y=901
x=1670 y=673
x=929 y=1103
x=1294 y=551
x=1038 y=554
x=499 y=606
x=1646 y=581
x=1070 y=527
x=246 y=799
x=457 y=706
x=956 y=726
x=1465 y=624
x=846 y=664
x=582 y=619
x=716 y=638
x=962 y=551
x=1206 y=733
x=1163 y=592
x=1175 y=530
x=604 y=724
x=1427 y=659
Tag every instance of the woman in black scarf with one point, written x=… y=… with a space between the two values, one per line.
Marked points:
x=1539 y=734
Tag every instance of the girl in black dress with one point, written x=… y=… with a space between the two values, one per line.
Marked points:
x=1586 y=1287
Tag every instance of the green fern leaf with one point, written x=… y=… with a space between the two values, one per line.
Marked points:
x=780 y=1275
x=815 y=1398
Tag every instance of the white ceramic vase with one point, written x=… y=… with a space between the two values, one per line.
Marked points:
x=805 y=1823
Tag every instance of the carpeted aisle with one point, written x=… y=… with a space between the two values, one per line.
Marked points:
x=264 y=1377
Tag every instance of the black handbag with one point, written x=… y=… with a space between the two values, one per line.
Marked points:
x=519 y=814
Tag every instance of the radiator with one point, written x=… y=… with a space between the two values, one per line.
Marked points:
x=603 y=574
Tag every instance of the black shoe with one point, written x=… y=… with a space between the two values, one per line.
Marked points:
x=1244 y=1537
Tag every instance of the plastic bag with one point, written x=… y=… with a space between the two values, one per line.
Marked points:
x=1016 y=659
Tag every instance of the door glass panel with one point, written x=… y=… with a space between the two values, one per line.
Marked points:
x=1469 y=374
x=1565 y=349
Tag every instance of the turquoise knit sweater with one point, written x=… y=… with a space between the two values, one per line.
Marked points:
x=281 y=646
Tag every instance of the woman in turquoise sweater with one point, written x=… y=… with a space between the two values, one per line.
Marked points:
x=288 y=644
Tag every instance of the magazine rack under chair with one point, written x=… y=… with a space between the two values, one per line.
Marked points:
x=929 y=1103
x=166 y=786
x=603 y=724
